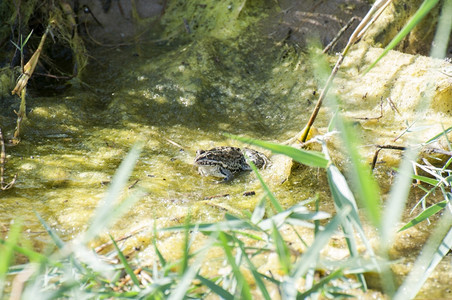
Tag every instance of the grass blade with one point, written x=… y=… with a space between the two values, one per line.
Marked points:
x=124 y=262
x=156 y=249
x=26 y=39
x=56 y=239
x=242 y=284
x=186 y=247
x=397 y=197
x=425 y=214
x=309 y=158
x=309 y=258
x=190 y=273
x=343 y=197
x=259 y=212
x=367 y=190
x=425 y=8
x=436 y=137
x=443 y=30
x=30 y=254
x=7 y=252
x=282 y=250
x=438 y=245
x=340 y=192
x=296 y=215
x=257 y=276
x=103 y=216
x=395 y=204
x=267 y=190
x=319 y=285
x=214 y=227
x=425 y=179
x=216 y=288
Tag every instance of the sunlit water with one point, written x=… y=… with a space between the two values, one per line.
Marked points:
x=176 y=98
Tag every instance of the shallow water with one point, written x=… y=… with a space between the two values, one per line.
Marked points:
x=176 y=97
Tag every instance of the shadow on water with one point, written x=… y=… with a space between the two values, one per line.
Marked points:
x=207 y=84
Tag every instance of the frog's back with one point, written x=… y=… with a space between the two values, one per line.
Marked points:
x=224 y=161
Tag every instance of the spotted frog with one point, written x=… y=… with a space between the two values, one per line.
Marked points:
x=224 y=161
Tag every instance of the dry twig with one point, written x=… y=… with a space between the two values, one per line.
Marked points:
x=371 y=16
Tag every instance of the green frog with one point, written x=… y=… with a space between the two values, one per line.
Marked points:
x=225 y=161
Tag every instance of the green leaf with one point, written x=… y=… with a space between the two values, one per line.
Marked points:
x=392 y=213
x=436 y=248
x=343 y=198
x=425 y=179
x=216 y=288
x=15 y=45
x=186 y=247
x=242 y=284
x=282 y=250
x=333 y=121
x=309 y=158
x=443 y=30
x=267 y=190
x=259 y=212
x=156 y=249
x=190 y=273
x=427 y=213
x=124 y=262
x=295 y=215
x=7 y=252
x=342 y=195
x=425 y=8
x=26 y=39
x=56 y=239
x=257 y=276
x=436 y=137
x=321 y=284
x=157 y=290
x=30 y=254
x=365 y=186
x=214 y=227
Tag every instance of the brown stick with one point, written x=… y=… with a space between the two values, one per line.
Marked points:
x=339 y=34
x=402 y=148
x=373 y=13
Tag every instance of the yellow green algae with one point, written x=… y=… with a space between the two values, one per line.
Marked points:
x=178 y=93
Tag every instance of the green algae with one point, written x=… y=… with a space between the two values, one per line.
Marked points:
x=222 y=73
x=223 y=20
x=177 y=96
